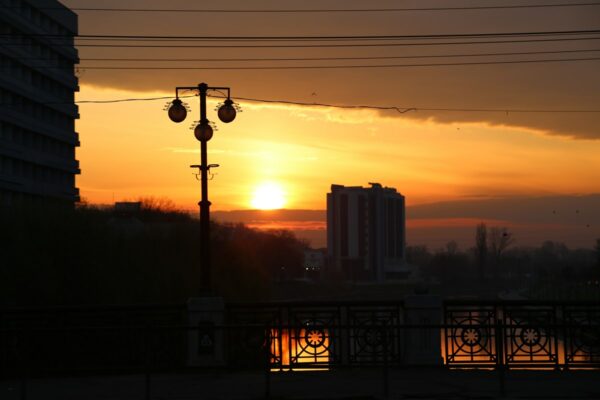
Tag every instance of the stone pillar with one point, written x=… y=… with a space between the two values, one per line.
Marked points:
x=206 y=343
x=422 y=346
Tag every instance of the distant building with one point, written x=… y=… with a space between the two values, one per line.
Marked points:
x=314 y=261
x=366 y=237
x=37 y=115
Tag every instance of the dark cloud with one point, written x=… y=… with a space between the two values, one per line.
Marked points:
x=569 y=85
x=574 y=210
x=574 y=220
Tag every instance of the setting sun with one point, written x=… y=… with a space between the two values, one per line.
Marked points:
x=268 y=196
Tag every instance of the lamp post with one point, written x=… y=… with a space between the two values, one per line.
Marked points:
x=203 y=132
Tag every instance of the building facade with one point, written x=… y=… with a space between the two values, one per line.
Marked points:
x=37 y=97
x=366 y=236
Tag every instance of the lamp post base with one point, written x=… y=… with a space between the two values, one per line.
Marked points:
x=206 y=337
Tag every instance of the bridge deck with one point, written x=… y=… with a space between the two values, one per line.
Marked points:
x=411 y=383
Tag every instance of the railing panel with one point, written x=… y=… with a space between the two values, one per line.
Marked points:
x=530 y=336
x=470 y=337
x=253 y=326
x=582 y=336
x=374 y=336
x=314 y=336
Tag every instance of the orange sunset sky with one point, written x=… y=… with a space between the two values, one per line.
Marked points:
x=131 y=150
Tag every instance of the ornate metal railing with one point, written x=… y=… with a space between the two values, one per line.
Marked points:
x=317 y=335
x=305 y=335
x=522 y=334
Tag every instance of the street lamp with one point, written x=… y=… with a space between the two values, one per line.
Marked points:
x=203 y=132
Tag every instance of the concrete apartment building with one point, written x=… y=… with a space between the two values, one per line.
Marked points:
x=37 y=113
x=366 y=237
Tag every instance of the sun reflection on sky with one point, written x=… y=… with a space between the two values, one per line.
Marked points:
x=268 y=196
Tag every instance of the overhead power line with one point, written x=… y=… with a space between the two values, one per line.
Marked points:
x=450 y=64
x=357 y=106
x=127 y=59
x=317 y=41
x=313 y=10
x=238 y=46
x=315 y=37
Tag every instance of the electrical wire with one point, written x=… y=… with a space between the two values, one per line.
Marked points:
x=361 y=106
x=322 y=58
x=173 y=46
x=297 y=11
x=431 y=40
x=314 y=37
x=550 y=60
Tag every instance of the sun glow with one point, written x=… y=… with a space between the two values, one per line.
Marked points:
x=268 y=196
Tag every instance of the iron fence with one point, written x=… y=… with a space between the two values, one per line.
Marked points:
x=297 y=336
x=317 y=335
x=522 y=334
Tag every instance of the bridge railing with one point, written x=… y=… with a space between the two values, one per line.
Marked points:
x=522 y=334
x=301 y=336
x=318 y=335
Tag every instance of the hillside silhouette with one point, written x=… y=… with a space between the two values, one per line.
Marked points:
x=93 y=255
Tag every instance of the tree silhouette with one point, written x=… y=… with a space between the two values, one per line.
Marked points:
x=597 y=248
x=500 y=239
x=92 y=255
x=481 y=249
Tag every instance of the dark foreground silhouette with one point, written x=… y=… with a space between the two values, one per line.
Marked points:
x=97 y=256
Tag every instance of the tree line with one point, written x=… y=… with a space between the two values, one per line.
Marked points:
x=496 y=262
x=93 y=255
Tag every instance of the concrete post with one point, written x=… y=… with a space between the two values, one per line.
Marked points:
x=206 y=342
x=422 y=346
